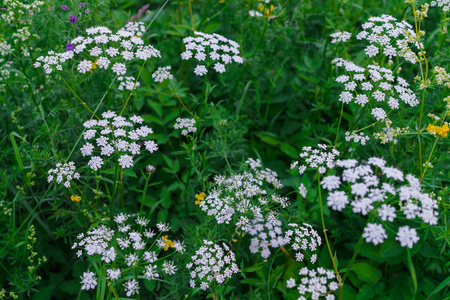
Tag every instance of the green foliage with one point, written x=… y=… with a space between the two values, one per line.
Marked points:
x=282 y=98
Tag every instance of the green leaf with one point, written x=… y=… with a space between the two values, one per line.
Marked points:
x=366 y=272
x=412 y=270
x=442 y=285
x=71 y=287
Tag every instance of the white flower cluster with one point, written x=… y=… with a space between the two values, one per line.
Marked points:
x=162 y=74
x=302 y=238
x=375 y=186
x=128 y=83
x=379 y=87
x=240 y=197
x=106 y=48
x=255 y=14
x=5 y=72
x=315 y=283
x=211 y=49
x=389 y=36
x=63 y=172
x=188 y=124
x=5 y=48
x=357 y=138
x=123 y=249
x=113 y=134
x=340 y=36
x=445 y=4
x=210 y=263
x=316 y=159
x=17 y=10
x=264 y=234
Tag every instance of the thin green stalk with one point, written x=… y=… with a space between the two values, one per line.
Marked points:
x=325 y=230
x=134 y=87
x=144 y=191
x=192 y=17
x=179 y=99
x=76 y=96
x=339 y=124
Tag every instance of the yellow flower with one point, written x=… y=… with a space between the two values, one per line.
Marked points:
x=442 y=131
x=75 y=198
x=268 y=13
x=200 y=197
x=168 y=243
x=94 y=65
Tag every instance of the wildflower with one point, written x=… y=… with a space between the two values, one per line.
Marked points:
x=212 y=263
x=375 y=186
x=315 y=283
x=264 y=235
x=123 y=243
x=374 y=233
x=63 y=7
x=438 y=131
x=123 y=139
x=387 y=85
x=393 y=38
x=81 y=5
x=213 y=49
x=162 y=74
x=167 y=244
x=75 y=198
x=243 y=195
x=200 y=197
x=407 y=236
x=112 y=51
x=89 y=281
x=302 y=238
x=317 y=159
x=188 y=124
x=69 y=46
x=73 y=19
x=63 y=172
x=340 y=36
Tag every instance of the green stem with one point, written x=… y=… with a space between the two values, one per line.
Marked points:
x=134 y=87
x=325 y=230
x=76 y=96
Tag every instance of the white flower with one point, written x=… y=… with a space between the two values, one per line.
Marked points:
x=387 y=212
x=119 y=68
x=84 y=66
x=89 y=281
x=407 y=236
x=374 y=233
x=63 y=172
x=95 y=163
x=162 y=74
x=331 y=182
x=131 y=287
x=113 y=274
x=200 y=70
x=337 y=200
x=126 y=161
x=151 y=146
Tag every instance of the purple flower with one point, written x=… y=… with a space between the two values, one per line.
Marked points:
x=73 y=19
x=81 y=5
x=63 y=7
x=69 y=46
x=86 y=11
